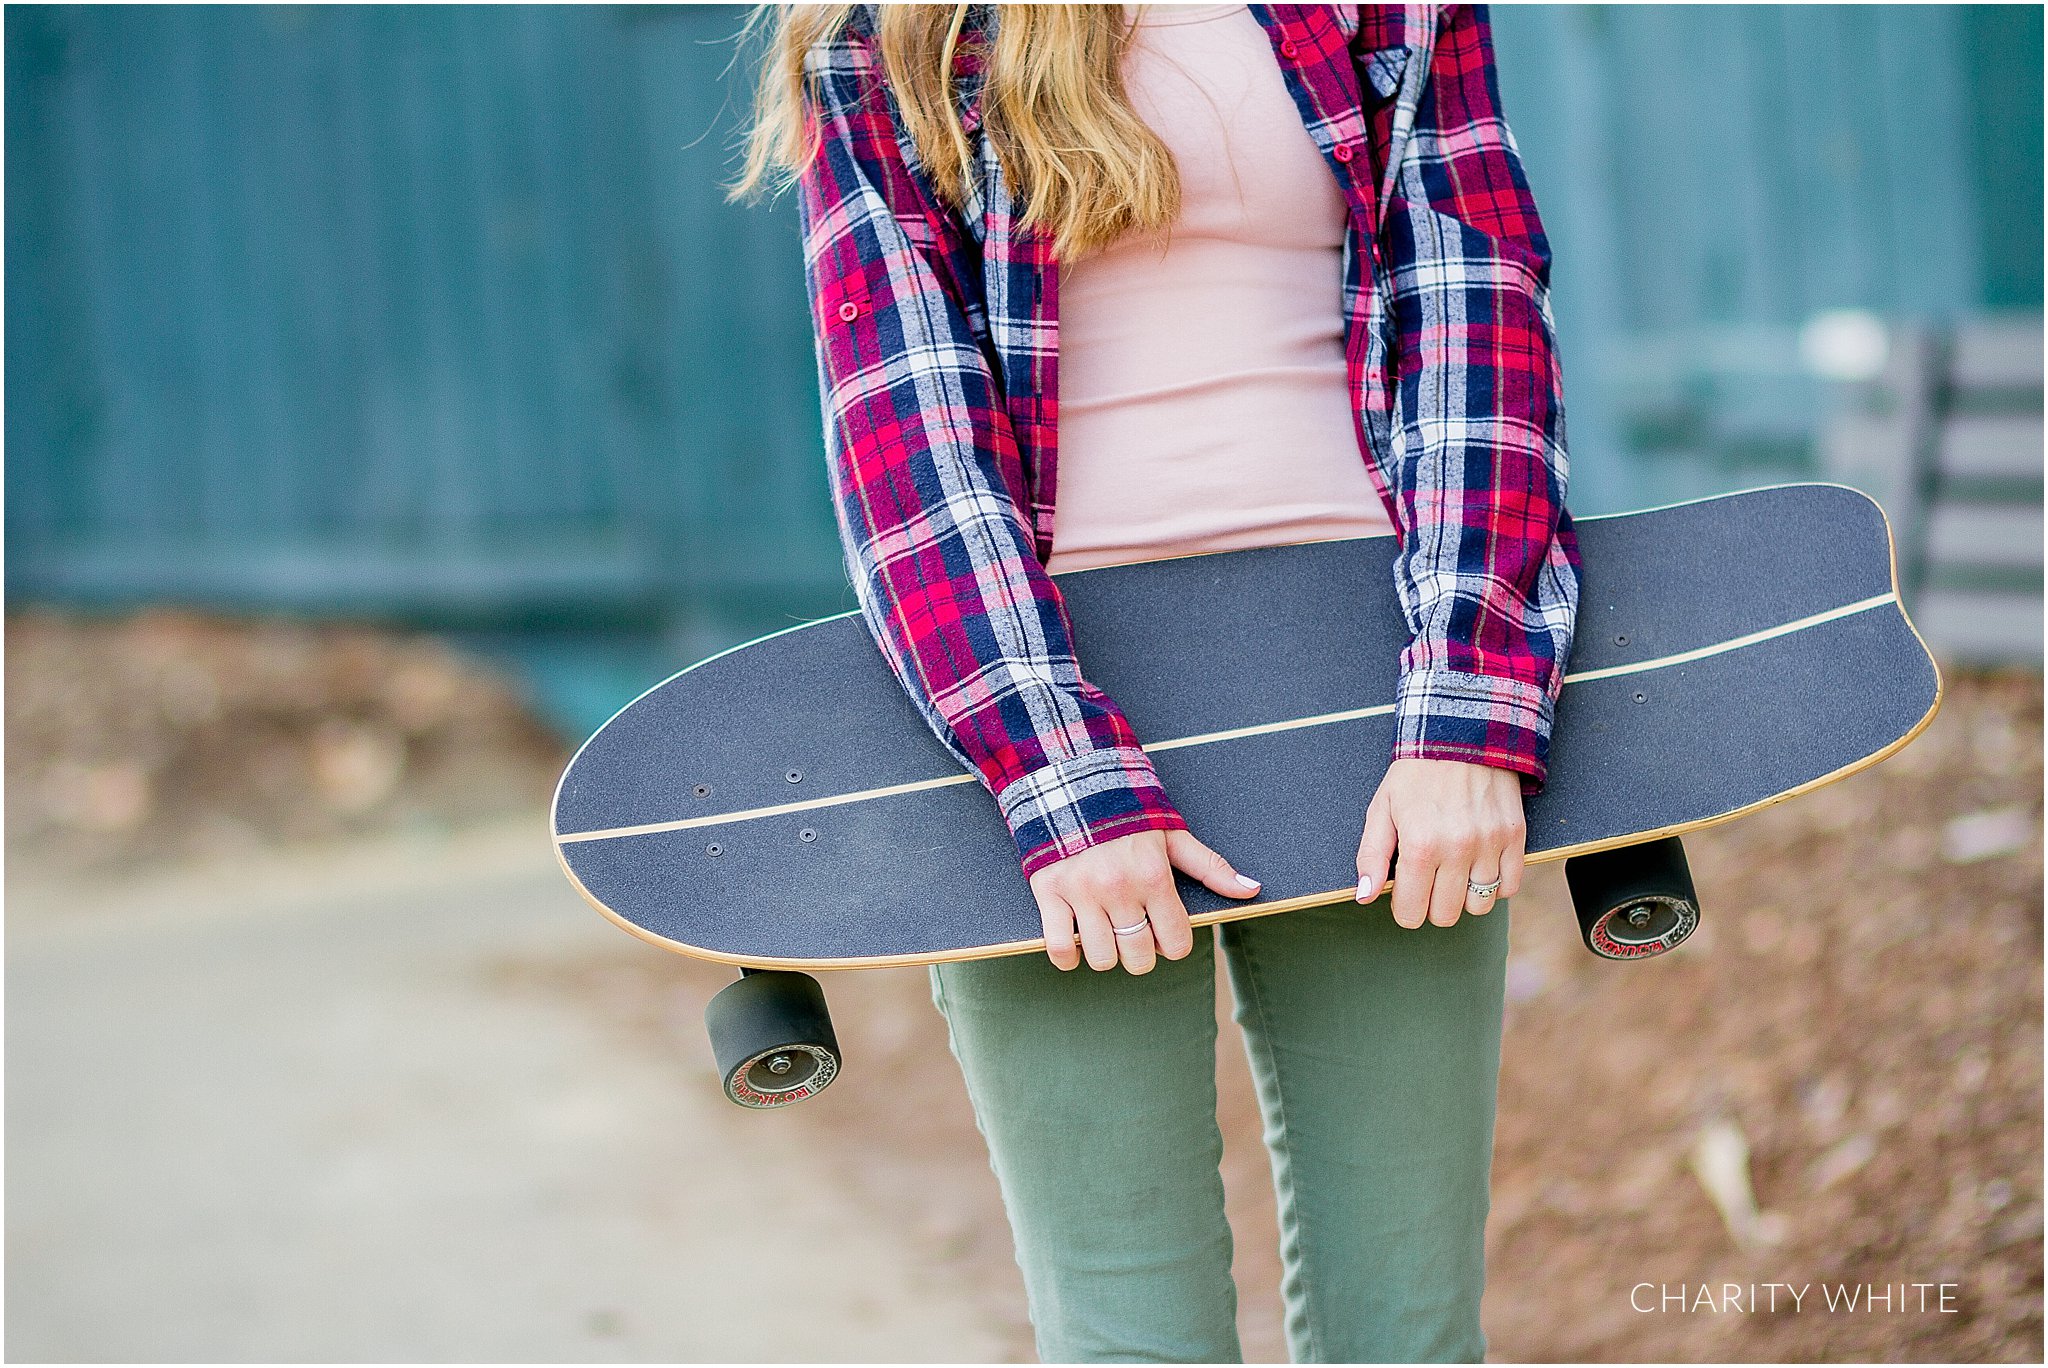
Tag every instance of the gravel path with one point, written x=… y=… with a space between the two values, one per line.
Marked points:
x=297 y=1110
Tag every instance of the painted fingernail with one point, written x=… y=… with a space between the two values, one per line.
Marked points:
x=1248 y=883
x=1365 y=890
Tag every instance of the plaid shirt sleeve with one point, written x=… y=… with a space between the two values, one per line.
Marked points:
x=1488 y=569
x=928 y=488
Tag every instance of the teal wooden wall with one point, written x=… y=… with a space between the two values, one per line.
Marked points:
x=1713 y=176
x=429 y=310
x=437 y=311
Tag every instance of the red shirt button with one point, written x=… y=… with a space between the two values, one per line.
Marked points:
x=1342 y=152
x=1289 y=48
x=848 y=311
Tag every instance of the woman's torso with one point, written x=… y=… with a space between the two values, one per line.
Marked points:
x=1204 y=402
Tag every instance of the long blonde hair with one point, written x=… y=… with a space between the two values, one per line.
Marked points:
x=1083 y=168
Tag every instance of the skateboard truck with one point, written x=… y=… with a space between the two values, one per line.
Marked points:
x=773 y=1038
x=1633 y=902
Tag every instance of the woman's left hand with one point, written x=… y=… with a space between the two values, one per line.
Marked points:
x=1454 y=823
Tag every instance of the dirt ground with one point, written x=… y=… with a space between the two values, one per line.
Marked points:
x=1836 y=1083
x=141 y=741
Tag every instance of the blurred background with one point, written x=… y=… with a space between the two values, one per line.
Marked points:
x=393 y=395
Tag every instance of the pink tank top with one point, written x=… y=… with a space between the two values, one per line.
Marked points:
x=1204 y=403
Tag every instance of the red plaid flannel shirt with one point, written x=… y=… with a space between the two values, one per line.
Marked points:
x=937 y=343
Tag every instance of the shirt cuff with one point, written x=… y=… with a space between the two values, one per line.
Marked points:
x=1069 y=805
x=1443 y=714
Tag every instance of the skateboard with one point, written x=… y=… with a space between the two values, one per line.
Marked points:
x=784 y=807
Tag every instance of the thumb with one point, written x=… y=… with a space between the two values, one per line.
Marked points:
x=1204 y=865
x=1375 y=849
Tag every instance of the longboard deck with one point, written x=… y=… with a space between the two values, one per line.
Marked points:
x=784 y=804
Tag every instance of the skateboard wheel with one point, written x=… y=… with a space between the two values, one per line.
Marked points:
x=772 y=1037
x=1634 y=902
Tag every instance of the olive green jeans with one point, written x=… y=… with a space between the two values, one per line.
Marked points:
x=1376 y=1051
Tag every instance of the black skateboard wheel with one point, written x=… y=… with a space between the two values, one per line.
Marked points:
x=772 y=1037
x=1633 y=902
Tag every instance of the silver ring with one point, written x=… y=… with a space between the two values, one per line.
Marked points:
x=1133 y=929
x=1483 y=890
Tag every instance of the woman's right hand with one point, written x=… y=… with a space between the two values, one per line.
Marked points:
x=1124 y=882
